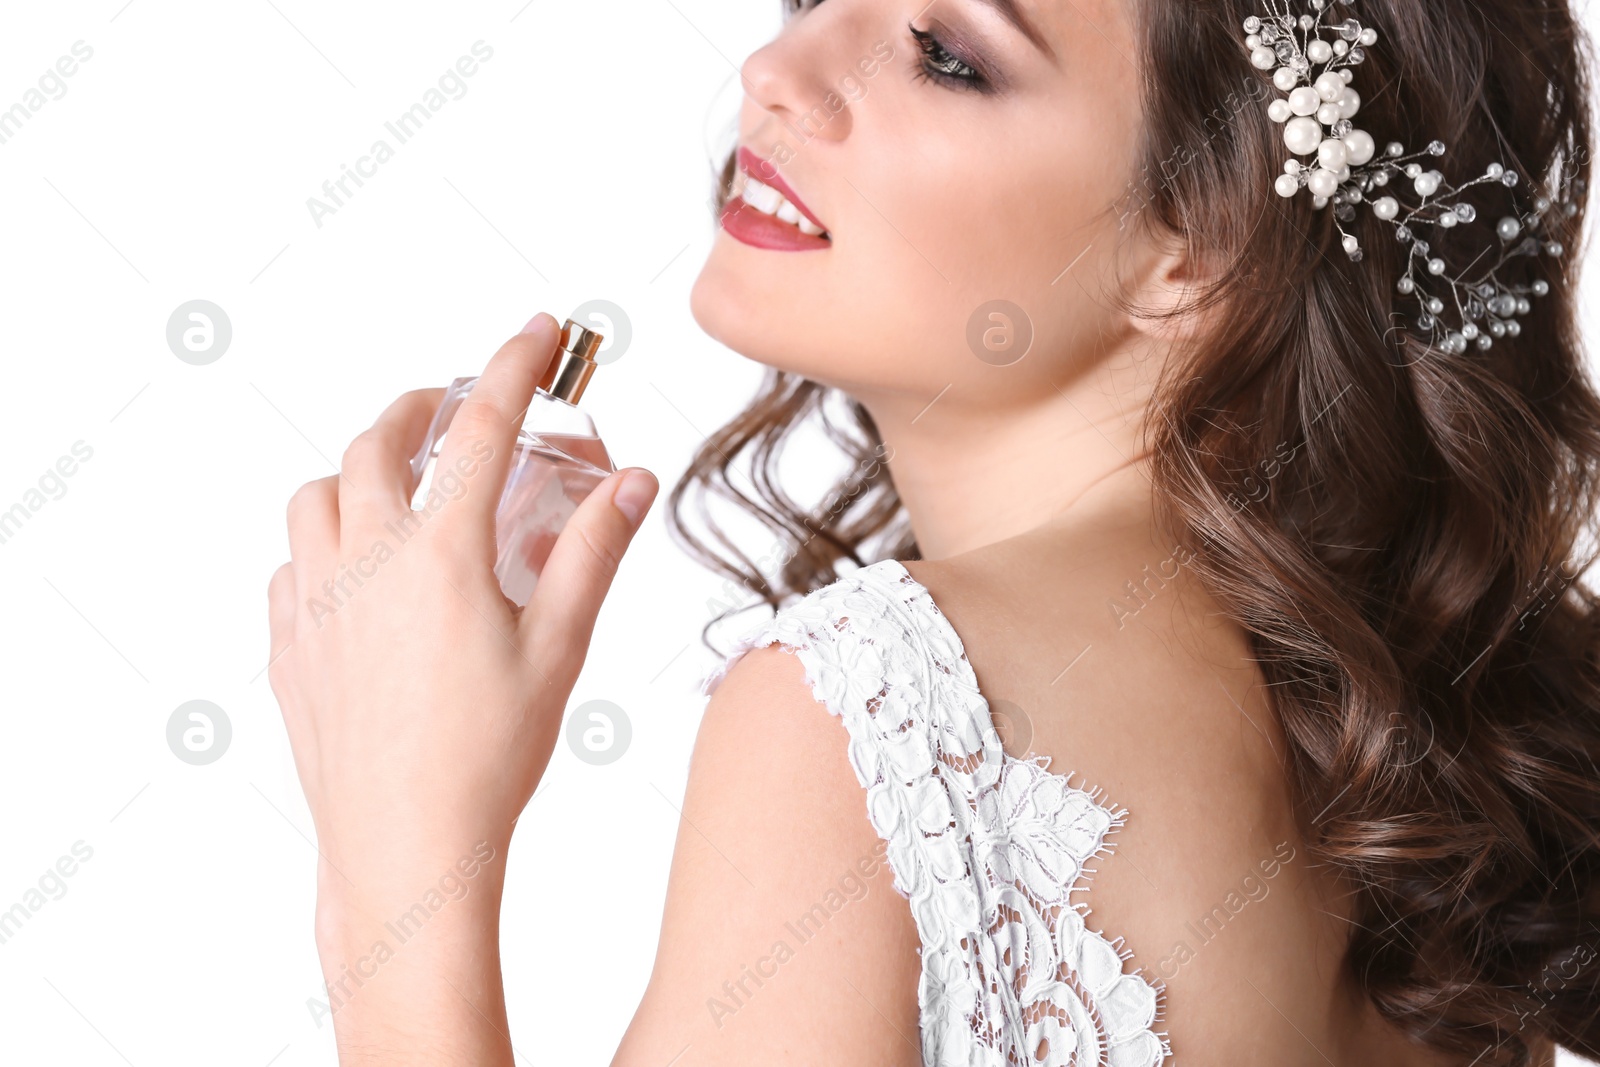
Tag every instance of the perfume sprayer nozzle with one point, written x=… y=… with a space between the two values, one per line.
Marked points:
x=569 y=373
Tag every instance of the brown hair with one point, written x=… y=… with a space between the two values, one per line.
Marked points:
x=1398 y=528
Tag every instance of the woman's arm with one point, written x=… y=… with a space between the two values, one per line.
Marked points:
x=783 y=940
x=422 y=707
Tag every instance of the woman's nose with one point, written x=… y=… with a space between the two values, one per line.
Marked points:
x=796 y=77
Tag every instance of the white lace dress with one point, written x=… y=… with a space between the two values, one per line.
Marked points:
x=990 y=850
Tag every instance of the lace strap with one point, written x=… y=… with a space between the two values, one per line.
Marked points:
x=988 y=849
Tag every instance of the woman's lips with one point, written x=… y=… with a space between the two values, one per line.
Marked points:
x=767 y=174
x=757 y=228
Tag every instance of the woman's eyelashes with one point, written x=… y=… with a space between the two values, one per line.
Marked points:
x=937 y=62
x=942 y=65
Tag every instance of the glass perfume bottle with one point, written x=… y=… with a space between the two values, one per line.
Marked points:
x=558 y=459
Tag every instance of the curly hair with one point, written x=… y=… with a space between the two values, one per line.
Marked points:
x=1400 y=530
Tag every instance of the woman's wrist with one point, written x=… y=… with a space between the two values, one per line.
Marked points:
x=411 y=958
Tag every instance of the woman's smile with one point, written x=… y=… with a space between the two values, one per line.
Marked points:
x=764 y=211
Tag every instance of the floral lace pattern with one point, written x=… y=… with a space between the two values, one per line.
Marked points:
x=990 y=850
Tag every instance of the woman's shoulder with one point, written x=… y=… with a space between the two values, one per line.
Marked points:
x=1100 y=651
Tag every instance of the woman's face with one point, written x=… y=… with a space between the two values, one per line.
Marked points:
x=956 y=157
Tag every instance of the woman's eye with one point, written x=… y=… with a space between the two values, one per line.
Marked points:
x=940 y=64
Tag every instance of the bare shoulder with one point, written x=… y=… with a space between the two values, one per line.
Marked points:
x=1097 y=647
x=783 y=938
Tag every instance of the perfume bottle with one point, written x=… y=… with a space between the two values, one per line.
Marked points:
x=558 y=459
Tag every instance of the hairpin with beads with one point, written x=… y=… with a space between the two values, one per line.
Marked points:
x=1311 y=59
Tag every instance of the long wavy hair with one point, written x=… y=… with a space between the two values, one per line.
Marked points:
x=1400 y=530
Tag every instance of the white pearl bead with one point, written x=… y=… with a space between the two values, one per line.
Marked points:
x=1278 y=111
x=1302 y=135
x=1386 y=208
x=1253 y=41
x=1427 y=183
x=1319 y=51
x=1349 y=103
x=1328 y=114
x=1347 y=74
x=1369 y=37
x=1359 y=147
x=1331 y=154
x=1285 y=78
x=1322 y=182
x=1329 y=86
x=1263 y=58
x=1286 y=185
x=1304 y=100
x=1350 y=243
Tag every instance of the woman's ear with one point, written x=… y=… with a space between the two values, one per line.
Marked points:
x=1169 y=289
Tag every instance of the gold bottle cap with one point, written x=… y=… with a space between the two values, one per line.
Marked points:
x=569 y=373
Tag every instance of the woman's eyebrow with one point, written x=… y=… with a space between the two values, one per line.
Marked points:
x=1009 y=10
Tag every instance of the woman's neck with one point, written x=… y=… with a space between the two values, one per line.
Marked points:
x=972 y=476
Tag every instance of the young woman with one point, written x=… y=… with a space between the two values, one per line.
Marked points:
x=1179 y=476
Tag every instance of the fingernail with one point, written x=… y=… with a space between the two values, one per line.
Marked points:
x=542 y=321
x=634 y=495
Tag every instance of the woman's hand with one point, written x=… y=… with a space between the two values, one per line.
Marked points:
x=422 y=707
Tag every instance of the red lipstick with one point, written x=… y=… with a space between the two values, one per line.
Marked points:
x=757 y=228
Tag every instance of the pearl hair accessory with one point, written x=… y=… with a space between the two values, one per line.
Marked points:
x=1312 y=61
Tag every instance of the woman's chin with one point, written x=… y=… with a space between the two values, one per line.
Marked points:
x=734 y=312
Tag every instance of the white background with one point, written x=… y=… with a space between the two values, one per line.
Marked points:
x=177 y=167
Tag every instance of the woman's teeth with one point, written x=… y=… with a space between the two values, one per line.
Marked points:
x=768 y=201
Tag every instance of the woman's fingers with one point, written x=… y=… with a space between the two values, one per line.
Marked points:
x=314 y=535
x=560 y=618
x=280 y=617
x=376 y=483
x=478 y=447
